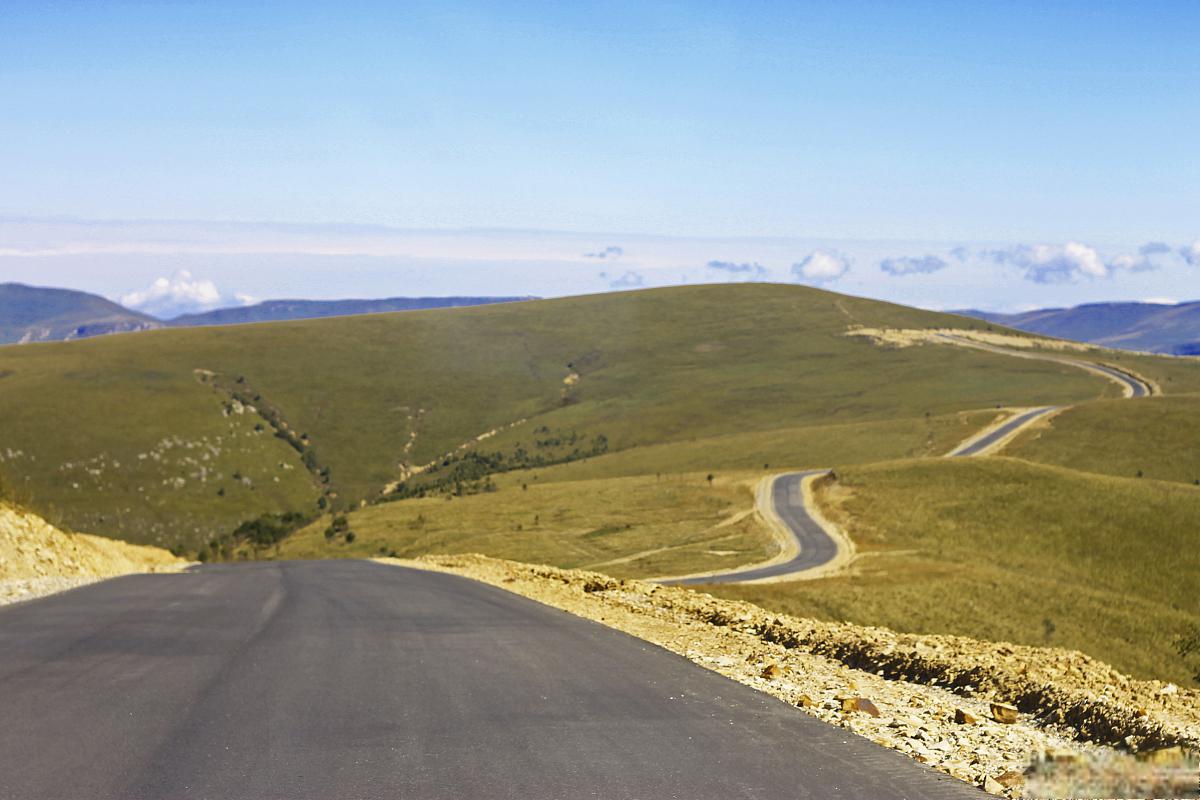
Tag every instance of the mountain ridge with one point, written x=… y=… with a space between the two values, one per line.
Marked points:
x=1151 y=327
x=48 y=314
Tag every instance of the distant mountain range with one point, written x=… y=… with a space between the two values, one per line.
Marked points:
x=33 y=314
x=38 y=314
x=1152 y=327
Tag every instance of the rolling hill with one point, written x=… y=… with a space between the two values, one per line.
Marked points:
x=584 y=431
x=175 y=435
x=36 y=314
x=280 y=310
x=1150 y=327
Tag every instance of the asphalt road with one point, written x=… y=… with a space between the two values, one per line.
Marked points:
x=984 y=442
x=1137 y=388
x=349 y=679
x=816 y=547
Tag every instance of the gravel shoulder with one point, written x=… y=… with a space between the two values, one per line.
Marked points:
x=987 y=713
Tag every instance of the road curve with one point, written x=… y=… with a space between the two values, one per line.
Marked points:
x=982 y=444
x=1132 y=385
x=349 y=679
x=816 y=548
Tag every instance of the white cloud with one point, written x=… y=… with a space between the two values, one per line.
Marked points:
x=628 y=280
x=749 y=271
x=1191 y=253
x=909 y=265
x=1053 y=263
x=821 y=266
x=180 y=294
x=1161 y=301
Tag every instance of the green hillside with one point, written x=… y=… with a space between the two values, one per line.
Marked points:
x=360 y=397
x=1153 y=438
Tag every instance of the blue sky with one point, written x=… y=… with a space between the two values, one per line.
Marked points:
x=755 y=134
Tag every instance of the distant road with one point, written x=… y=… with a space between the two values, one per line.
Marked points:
x=816 y=547
x=349 y=679
x=1132 y=385
x=978 y=446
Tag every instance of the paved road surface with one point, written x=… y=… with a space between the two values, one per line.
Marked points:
x=1137 y=388
x=348 y=679
x=984 y=442
x=816 y=547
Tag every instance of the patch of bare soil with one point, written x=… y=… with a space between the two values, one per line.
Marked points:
x=988 y=713
x=37 y=558
x=896 y=337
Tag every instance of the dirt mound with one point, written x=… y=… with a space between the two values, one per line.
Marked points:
x=36 y=557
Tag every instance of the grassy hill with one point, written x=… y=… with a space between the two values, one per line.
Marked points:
x=281 y=310
x=1151 y=438
x=583 y=432
x=358 y=400
x=35 y=314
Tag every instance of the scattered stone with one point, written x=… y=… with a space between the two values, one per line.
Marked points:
x=771 y=672
x=1004 y=713
x=992 y=786
x=859 y=704
x=1010 y=779
x=964 y=717
x=804 y=701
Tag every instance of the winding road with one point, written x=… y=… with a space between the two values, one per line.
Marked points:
x=351 y=679
x=813 y=547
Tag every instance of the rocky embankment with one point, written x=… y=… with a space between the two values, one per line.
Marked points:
x=38 y=559
x=987 y=713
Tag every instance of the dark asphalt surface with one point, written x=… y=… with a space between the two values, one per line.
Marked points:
x=1004 y=430
x=348 y=679
x=1138 y=388
x=816 y=548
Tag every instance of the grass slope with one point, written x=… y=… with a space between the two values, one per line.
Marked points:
x=630 y=527
x=372 y=393
x=999 y=548
x=1151 y=438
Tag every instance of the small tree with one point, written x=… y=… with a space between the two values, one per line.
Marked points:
x=1188 y=644
x=710 y=479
